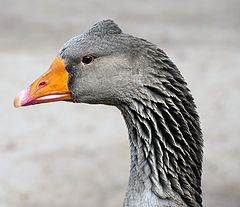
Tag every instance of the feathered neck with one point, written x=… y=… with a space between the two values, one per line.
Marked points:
x=165 y=140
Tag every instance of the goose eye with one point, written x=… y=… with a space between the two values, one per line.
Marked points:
x=87 y=59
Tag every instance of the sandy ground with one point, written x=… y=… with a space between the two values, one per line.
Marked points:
x=62 y=154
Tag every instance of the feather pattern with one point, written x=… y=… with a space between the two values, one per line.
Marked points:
x=166 y=128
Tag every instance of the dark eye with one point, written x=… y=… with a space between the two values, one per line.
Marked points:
x=87 y=59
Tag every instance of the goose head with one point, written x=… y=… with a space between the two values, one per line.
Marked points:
x=102 y=66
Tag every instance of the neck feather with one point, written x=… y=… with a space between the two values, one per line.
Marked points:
x=165 y=141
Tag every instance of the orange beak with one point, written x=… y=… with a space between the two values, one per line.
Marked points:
x=50 y=87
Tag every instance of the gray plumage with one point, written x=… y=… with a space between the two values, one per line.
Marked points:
x=140 y=80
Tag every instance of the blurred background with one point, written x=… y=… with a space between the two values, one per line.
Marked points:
x=63 y=154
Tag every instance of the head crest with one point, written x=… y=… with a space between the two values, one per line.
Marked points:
x=107 y=26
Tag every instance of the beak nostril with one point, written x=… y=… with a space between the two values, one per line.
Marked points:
x=41 y=84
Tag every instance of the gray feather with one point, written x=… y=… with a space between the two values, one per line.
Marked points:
x=165 y=136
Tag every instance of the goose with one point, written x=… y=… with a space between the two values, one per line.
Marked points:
x=107 y=66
